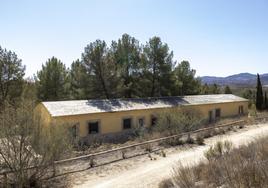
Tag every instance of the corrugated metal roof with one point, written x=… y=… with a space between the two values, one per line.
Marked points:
x=77 y=107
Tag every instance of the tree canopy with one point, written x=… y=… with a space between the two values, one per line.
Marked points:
x=52 y=82
x=11 y=75
x=124 y=69
x=128 y=69
x=227 y=90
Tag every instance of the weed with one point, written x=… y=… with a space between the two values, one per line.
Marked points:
x=200 y=140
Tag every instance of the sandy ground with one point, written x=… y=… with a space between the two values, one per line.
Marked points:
x=143 y=172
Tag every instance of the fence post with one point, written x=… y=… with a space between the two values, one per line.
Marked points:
x=54 y=169
x=91 y=162
x=123 y=154
x=5 y=180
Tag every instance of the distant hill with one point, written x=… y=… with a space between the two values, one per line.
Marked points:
x=242 y=79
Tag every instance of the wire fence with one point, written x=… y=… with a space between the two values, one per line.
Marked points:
x=70 y=165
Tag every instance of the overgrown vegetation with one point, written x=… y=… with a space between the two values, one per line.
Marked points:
x=226 y=166
x=26 y=144
x=178 y=120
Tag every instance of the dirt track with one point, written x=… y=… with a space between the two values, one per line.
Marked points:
x=143 y=172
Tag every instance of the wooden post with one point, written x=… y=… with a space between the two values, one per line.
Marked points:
x=123 y=154
x=91 y=162
x=5 y=180
x=54 y=170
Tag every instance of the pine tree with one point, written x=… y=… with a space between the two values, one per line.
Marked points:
x=227 y=90
x=157 y=70
x=100 y=70
x=185 y=76
x=214 y=89
x=79 y=81
x=259 y=94
x=126 y=52
x=52 y=81
x=11 y=76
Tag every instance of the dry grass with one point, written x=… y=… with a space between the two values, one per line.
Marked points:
x=243 y=167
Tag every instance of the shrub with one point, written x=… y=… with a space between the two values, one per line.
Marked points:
x=33 y=145
x=206 y=134
x=173 y=141
x=149 y=148
x=183 y=176
x=167 y=183
x=163 y=153
x=221 y=131
x=189 y=140
x=200 y=140
x=175 y=121
x=245 y=166
x=218 y=150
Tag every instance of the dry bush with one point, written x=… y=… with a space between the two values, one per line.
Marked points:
x=241 y=167
x=178 y=120
x=189 y=140
x=218 y=150
x=183 y=176
x=206 y=134
x=26 y=143
x=199 y=139
x=167 y=183
x=173 y=142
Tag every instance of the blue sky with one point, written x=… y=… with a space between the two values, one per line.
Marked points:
x=218 y=37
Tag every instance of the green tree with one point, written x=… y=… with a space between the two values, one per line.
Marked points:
x=157 y=70
x=227 y=90
x=259 y=94
x=79 y=81
x=11 y=76
x=100 y=69
x=29 y=90
x=126 y=53
x=249 y=94
x=205 y=89
x=52 y=81
x=214 y=89
x=185 y=77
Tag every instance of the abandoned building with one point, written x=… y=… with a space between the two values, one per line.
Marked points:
x=90 y=117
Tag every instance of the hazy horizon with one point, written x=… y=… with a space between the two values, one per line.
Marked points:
x=218 y=38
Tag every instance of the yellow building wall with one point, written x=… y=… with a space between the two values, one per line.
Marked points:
x=42 y=114
x=111 y=122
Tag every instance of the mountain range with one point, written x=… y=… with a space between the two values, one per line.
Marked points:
x=242 y=79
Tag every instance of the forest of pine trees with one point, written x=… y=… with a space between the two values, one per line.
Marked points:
x=125 y=69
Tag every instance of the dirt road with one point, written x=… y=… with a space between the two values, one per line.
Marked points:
x=149 y=173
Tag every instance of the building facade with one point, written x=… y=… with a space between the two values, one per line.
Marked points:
x=98 y=117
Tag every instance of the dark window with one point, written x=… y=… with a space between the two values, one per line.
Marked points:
x=93 y=127
x=153 y=121
x=74 y=130
x=210 y=116
x=141 y=122
x=218 y=113
x=127 y=123
x=241 y=110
